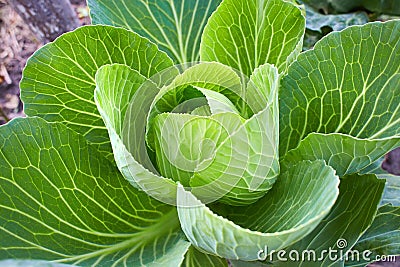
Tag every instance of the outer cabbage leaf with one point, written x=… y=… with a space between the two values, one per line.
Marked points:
x=63 y=201
x=175 y=26
x=301 y=198
x=72 y=61
x=345 y=153
x=246 y=34
x=382 y=238
x=350 y=217
x=349 y=81
x=340 y=87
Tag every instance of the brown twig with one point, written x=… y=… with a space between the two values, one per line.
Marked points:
x=4 y=74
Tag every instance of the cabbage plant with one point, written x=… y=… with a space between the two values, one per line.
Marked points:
x=196 y=133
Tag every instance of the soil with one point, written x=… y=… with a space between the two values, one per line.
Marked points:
x=17 y=44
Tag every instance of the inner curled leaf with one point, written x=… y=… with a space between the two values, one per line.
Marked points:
x=204 y=128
